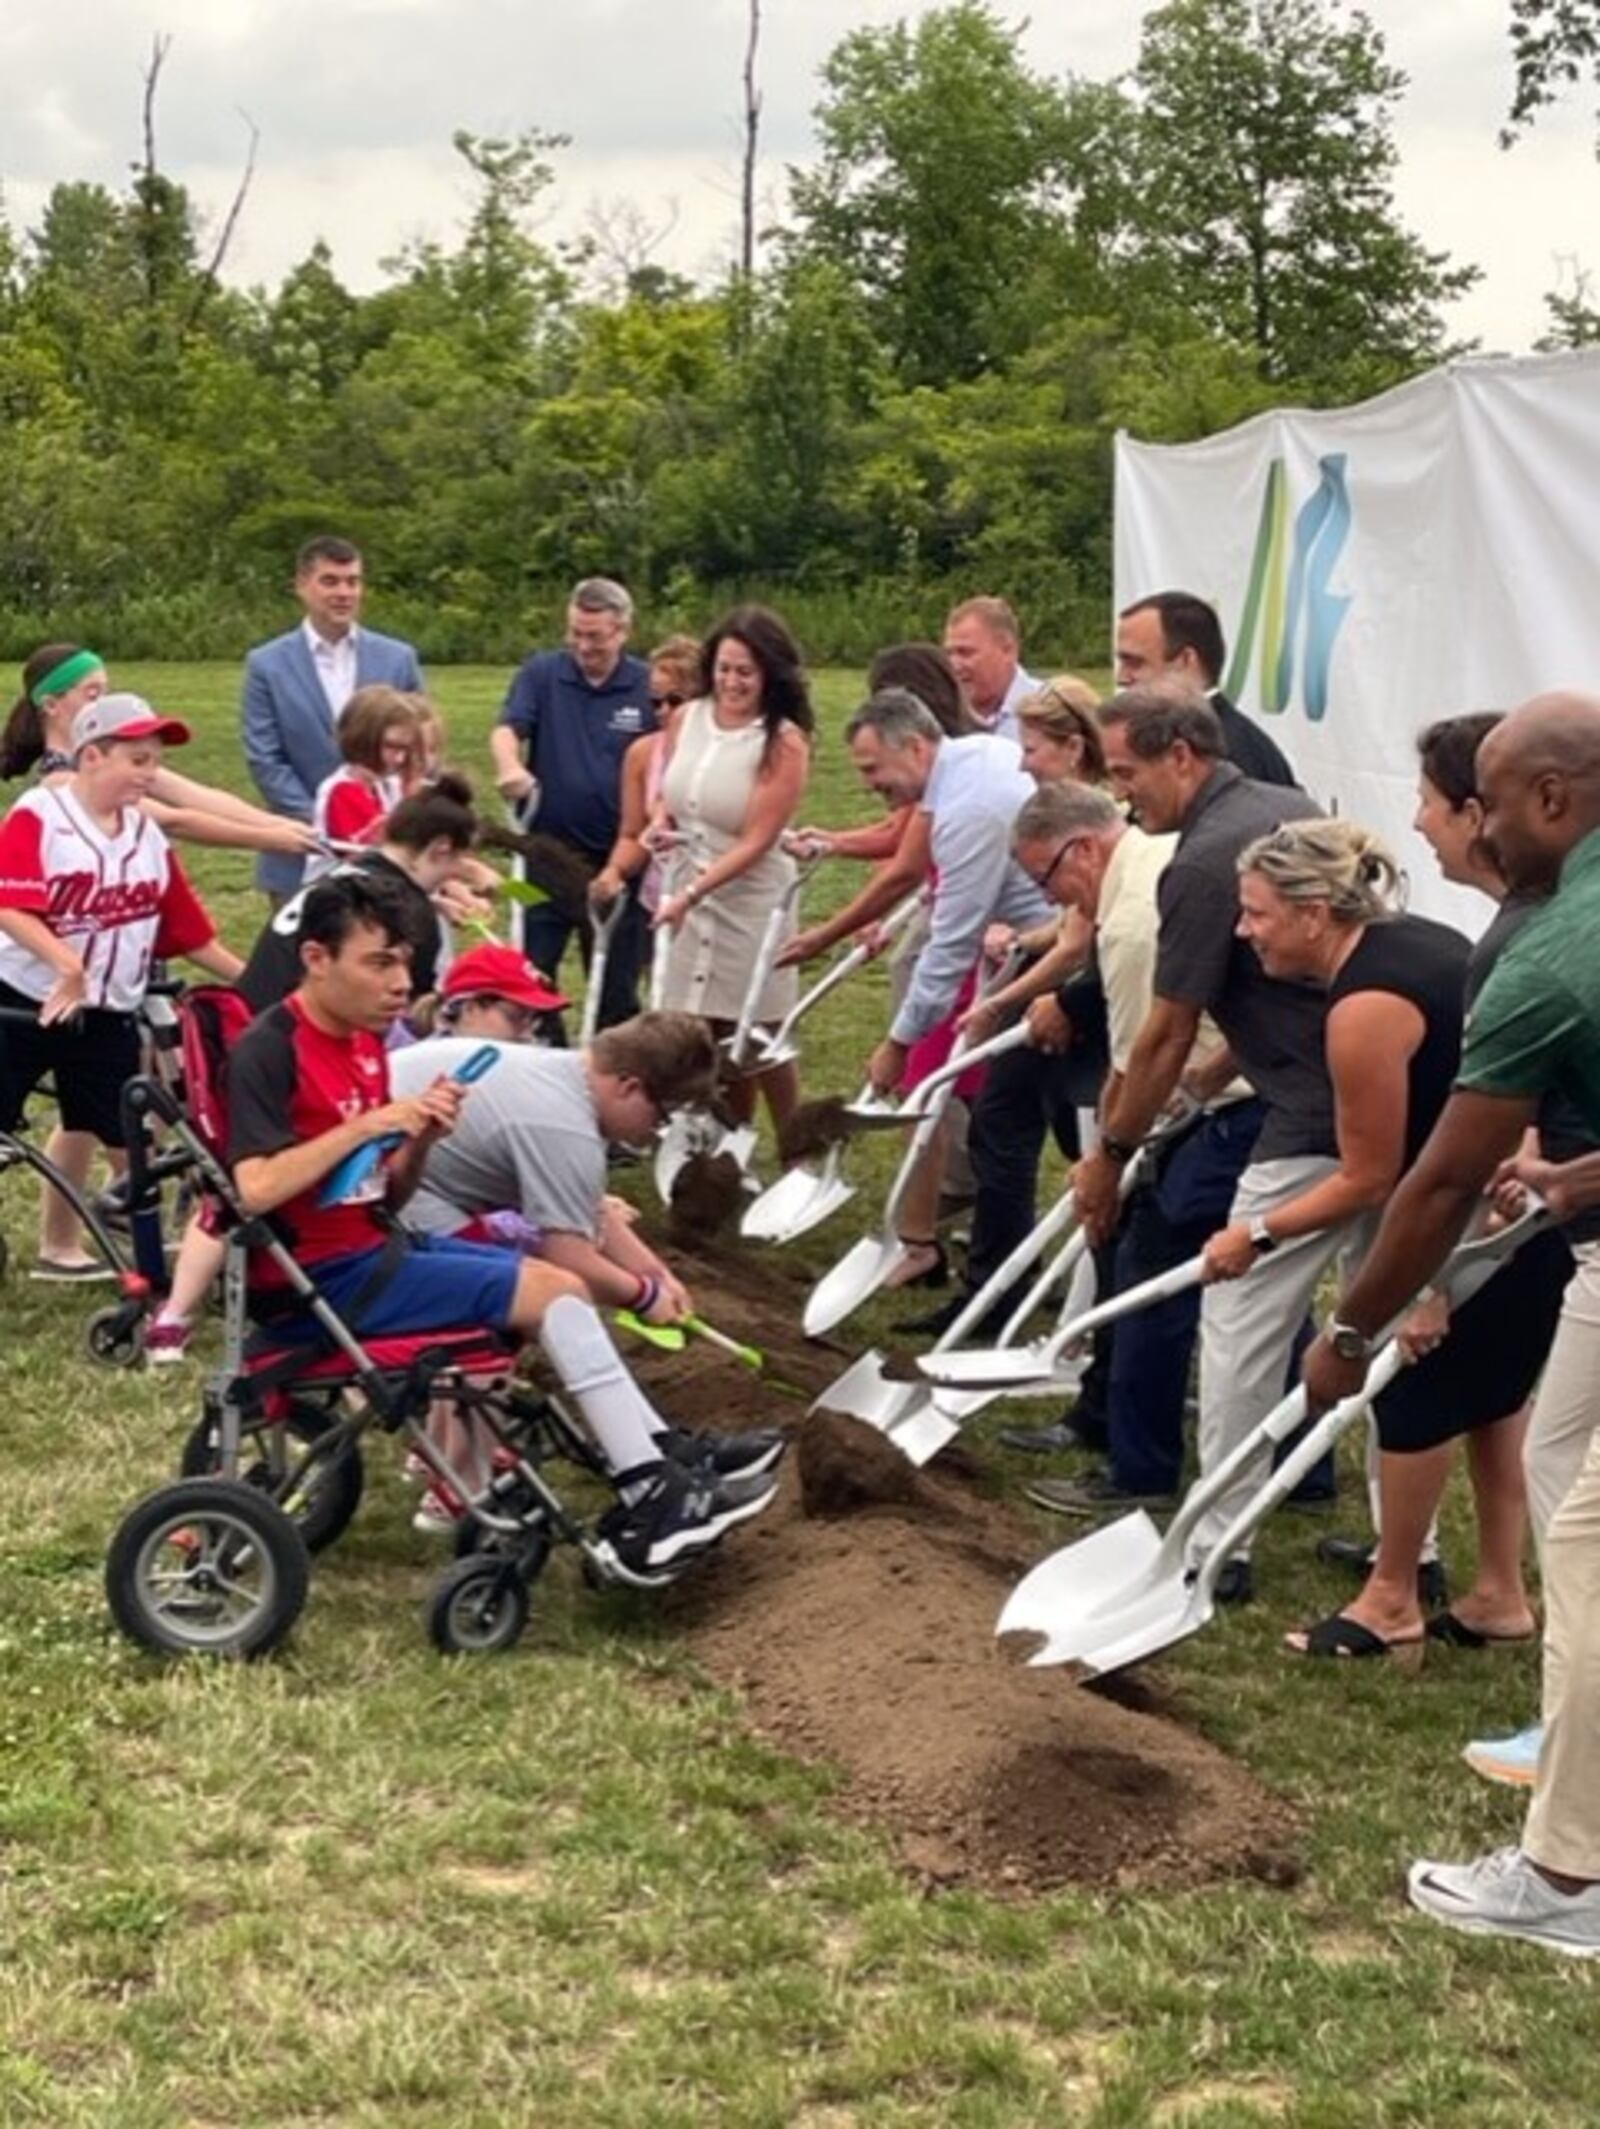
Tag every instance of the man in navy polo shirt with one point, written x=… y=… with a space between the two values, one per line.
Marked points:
x=568 y=719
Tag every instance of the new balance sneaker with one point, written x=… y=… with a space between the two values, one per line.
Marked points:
x=1503 y=1895
x=165 y=1344
x=726 y=1456
x=1512 y=1760
x=680 y=1514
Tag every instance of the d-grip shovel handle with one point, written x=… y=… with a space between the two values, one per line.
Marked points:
x=354 y=1169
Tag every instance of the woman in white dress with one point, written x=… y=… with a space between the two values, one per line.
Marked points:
x=737 y=775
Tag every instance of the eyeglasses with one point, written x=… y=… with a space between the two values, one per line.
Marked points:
x=1043 y=879
x=668 y=702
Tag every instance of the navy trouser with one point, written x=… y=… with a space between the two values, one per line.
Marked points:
x=546 y=929
x=1167 y=1221
x=1025 y=1094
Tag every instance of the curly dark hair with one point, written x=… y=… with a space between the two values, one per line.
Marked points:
x=785 y=697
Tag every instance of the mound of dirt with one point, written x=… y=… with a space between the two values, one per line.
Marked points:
x=707 y=1193
x=857 y=1617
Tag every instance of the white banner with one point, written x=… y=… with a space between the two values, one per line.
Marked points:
x=1426 y=553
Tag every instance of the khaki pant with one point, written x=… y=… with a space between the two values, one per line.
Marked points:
x=1563 y=1829
x=1247 y=1332
x=1566 y=1410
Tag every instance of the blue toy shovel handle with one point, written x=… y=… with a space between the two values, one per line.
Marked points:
x=354 y=1169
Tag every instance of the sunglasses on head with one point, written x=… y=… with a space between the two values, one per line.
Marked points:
x=668 y=702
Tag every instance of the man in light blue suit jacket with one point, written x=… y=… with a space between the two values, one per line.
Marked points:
x=296 y=686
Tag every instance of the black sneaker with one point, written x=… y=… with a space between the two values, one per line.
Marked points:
x=1053 y=1440
x=724 y=1456
x=678 y=1516
x=1236 y=1584
x=1099 y=1494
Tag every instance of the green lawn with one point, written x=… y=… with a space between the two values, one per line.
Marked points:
x=361 y=1885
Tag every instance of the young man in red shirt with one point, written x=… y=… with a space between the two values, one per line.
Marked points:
x=90 y=895
x=308 y=1084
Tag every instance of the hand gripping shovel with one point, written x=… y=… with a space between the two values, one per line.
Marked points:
x=864 y=1268
x=919 y=1421
x=779 y=1047
x=603 y=924
x=1124 y=1593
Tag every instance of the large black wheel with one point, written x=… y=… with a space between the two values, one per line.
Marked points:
x=322 y=1501
x=115 y=1335
x=479 y=1606
x=207 y=1567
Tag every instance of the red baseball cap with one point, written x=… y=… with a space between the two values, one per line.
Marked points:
x=500 y=972
x=115 y=717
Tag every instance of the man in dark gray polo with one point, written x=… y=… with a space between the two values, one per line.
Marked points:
x=1164 y=750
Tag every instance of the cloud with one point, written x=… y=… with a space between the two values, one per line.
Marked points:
x=356 y=107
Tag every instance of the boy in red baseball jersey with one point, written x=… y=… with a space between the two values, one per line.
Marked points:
x=90 y=896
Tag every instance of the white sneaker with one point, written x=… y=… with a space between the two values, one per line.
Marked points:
x=438 y=1513
x=1512 y=1760
x=1502 y=1895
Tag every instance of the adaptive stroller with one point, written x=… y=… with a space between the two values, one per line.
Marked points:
x=218 y=1561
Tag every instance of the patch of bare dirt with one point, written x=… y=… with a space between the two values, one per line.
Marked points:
x=857 y=1619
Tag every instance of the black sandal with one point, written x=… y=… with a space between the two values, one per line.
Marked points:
x=1454 y=1632
x=1339 y=1635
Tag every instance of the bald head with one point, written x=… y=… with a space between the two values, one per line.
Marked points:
x=1539 y=778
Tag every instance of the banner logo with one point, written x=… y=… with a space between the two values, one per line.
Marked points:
x=1288 y=599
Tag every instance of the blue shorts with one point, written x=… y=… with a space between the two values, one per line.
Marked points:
x=438 y=1285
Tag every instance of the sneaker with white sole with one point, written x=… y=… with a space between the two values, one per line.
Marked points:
x=59 y=1271
x=165 y=1344
x=1503 y=1895
x=1512 y=1760
x=680 y=1514
x=437 y=1513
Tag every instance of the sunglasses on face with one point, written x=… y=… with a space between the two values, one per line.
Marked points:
x=667 y=702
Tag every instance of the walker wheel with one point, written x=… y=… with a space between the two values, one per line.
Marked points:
x=207 y=1567
x=115 y=1335
x=479 y=1606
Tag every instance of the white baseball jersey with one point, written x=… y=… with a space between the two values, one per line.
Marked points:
x=119 y=901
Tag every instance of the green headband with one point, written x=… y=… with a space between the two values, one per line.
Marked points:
x=67 y=674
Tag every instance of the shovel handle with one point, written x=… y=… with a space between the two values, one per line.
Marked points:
x=747 y=1355
x=666 y=1337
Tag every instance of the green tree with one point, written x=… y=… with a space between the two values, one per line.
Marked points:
x=1554 y=43
x=1258 y=164
x=943 y=192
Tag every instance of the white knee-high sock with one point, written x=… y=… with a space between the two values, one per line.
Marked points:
x=620 y=1416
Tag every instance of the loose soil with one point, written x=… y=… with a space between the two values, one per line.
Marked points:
x=813 y=1128
x=856 y=1619
x=707 y=1194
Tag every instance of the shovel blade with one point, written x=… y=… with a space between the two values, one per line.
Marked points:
x=923 y=1429
x=675 y=1146
x=769 y=1214
x=1170 y=1613
x=864 y=1392
x=854 y=1279
x=1070 y=1593
x=993 y=1369
x=823 y=1206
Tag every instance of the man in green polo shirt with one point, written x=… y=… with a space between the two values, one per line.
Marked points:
x=1535 y=1028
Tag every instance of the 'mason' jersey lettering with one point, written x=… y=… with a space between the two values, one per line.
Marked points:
x=119 y=901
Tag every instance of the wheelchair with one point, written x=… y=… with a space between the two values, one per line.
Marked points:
x=218 y=1561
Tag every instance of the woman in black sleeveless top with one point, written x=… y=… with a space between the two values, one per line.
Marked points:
x=1317 y=902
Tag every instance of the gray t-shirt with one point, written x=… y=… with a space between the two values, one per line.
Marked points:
x=528 y=1140
x=1275 y=1029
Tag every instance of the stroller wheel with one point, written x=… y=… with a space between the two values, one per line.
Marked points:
x=115 y=1335
x=207 y=1567
x=321 y=1502
x=479 y=1606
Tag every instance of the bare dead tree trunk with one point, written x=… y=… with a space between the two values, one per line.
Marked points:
x=752 y=133
x=149 y=174
x=212 y=272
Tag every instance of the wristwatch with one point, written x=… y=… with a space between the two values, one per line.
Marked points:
x=1348 y=1342
x=1120 y=1150
x=1262 y=1239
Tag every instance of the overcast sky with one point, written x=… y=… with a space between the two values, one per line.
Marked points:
x=356 y=104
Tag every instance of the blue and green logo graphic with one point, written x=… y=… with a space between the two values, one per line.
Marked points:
x=1288 y=600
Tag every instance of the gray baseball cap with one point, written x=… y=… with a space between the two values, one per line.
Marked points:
x=124 y=717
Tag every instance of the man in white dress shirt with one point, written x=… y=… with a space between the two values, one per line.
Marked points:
x=296 y=687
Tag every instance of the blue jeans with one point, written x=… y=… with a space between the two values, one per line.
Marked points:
x=1166 y=1222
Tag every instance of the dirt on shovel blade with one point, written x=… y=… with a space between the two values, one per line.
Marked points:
x=547 y=863
x=813 y=1128
x=856 y=1620
x=707 y=1192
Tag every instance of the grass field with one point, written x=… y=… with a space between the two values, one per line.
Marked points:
x=363 y=1886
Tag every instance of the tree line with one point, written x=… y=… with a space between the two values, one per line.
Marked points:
x=911 y=393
